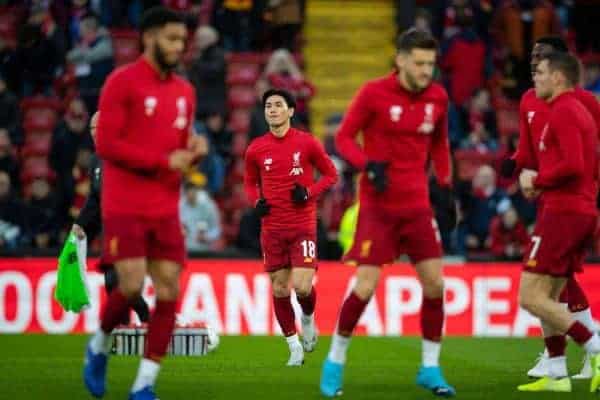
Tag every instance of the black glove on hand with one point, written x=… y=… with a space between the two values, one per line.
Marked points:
x=507 y=168
x=448 y=205
x=299 y=194
x=377 y=175
x=261 y=208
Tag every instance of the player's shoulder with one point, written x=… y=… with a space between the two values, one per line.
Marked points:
x=436 y=92
x=122 y=74
x=257 y=143
x=587 y=98
x=180 y=80
x=529 y=100
x=378 y=83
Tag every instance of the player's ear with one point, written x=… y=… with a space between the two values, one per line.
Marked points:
x=400 y=60
x=291 y=112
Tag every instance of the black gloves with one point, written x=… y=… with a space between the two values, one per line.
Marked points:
x=448 y=205
x=261 y=208
x=299 y=194
x=376 y=175
x=507 y=168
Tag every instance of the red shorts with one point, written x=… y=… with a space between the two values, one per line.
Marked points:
x=288 y=249
x=382 y=236
x=559 y=243
x=131 y=236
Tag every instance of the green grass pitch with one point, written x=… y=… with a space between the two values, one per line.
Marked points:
x=49 y=367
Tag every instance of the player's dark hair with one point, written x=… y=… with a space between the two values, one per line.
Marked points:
x=566 y=63
x=415 y=38
x=556 y=42
x=157 y=17
x=287 y=96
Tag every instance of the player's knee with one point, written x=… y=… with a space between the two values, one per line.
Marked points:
x=131 y=287
x=280 y=289
x=168 y=291
x=364 y=289
x=302 y=290
x=434 y=288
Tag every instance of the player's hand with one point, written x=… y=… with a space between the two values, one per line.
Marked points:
x=448 y=204
x=262 y=208
x=180 y=160
x=526 y=179
x=376 y=173
x=507 y=168
x=299 y=194
x=78 y=232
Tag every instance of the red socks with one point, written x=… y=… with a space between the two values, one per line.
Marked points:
x=115 y=310
x=556 y=345
x=285 y=315
x=160 y=329
x=432 y=319
x=579 y=333
x=308 y=303
x=350 y=314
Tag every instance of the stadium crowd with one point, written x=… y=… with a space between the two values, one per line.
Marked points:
x=55 y=56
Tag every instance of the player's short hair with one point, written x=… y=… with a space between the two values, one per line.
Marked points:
x=414 y=38
x=566 y=63
x=556 y=42
x=287 y=96
x=157 y=17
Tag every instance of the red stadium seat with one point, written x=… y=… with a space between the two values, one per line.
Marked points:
x=8 y=28
x=242 y=74
x=238 y=147
x=34 y=168
x=126 y=46
x=247 y=58
x=36 y=148
x=508 y=121
x=468 y=161
x=239 y=121
x=241 y=97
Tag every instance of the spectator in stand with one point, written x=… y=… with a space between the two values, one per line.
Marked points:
x=201 y=219
x=248 y=239
x=479 y=206
x=508 y=235
x=332 y=123
x=208 y=72
x=7 y=66
x=93 y=59
x=36 y=61
x=219 y=136
x=81 y=182
x=10 y=115
x=282 y=72
x=42 y=17
x=585 y=16
x=423 y=20
x=517 y=25
x=8 y=161
x=233 y=19
x=285 y=20
x=79 y=10
x=211 y=167
x=44 y=218
x=479 y=140
x=463 y=78
x=258 y=124
x=70 y=135
x=12 y=215
x=482 y=112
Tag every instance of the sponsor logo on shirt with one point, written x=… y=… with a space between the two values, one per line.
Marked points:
x=150 y=103
x=542 y=144
x=181 y=120
x=427 y=126
x=296 y=167
x=395 y=113
x=268 y=162
x=530 y=116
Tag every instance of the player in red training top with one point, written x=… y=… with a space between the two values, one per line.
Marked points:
x=533 y=116
x=567 y=178
x=404 y=121
x=279 y=181
x=145 y=144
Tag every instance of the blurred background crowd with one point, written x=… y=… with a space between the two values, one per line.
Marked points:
x=56 y=54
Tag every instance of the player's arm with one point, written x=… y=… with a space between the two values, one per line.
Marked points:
x=354 y=121
x=251 y=177
x=111 y=142
x=325 y=167
x=524 y=155
x=440 y=151
x=570 y=145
